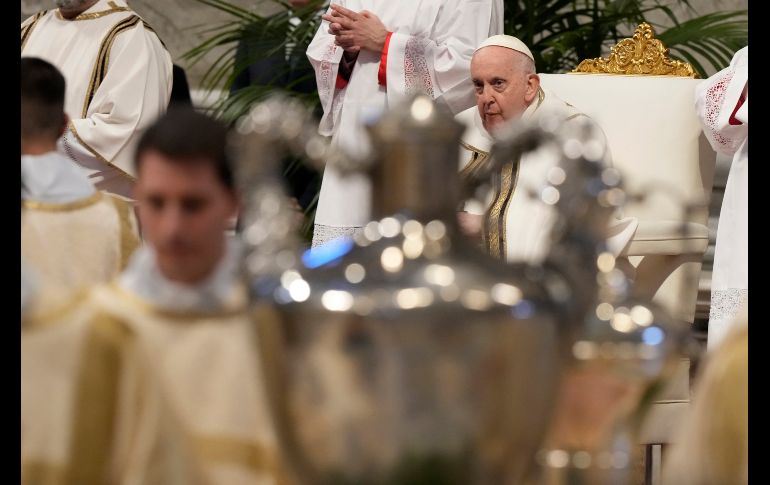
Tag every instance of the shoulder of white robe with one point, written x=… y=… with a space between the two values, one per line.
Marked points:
x=29 y=25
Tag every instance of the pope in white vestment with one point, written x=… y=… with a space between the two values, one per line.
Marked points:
x=428 y=50
x=517 y=225
x=119 y=78
x=722 y=103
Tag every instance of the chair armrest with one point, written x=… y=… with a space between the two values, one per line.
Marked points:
x=668 y=238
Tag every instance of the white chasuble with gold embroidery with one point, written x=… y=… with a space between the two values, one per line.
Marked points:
x=150 y=382
x=80 y=371
x=72 y=236
x=200 y=347
x=119 y=78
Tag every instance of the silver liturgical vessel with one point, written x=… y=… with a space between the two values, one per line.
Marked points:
x=406 y=356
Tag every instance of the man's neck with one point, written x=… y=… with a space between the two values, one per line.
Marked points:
x=70 y=14
x=192 y=279
x=35 y=148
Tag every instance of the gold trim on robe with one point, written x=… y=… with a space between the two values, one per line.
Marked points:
x=50 y=308
x=96 y=154
x=106 y=346
x=495 y=218
x=26 y=30
x=250 y=455
x=63 y=207
x=209 y=448
x=35 y=472
x=99 y=70
x=495 y=221
x=129 y=240
x=477 y=159
x=114 y=8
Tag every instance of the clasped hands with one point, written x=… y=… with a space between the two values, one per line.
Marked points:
x=356 y=31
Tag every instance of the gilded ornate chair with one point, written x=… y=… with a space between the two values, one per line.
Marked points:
x=644 y=101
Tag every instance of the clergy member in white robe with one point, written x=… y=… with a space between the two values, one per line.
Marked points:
x=514 y=224
x=177 y=325
x=722 y=103
x=119 y=78
x=199 y=344
x=368 y=56
x=72 y=235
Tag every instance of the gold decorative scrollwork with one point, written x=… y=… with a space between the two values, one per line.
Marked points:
x=642 y=54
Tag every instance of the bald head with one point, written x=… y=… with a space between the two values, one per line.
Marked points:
x=505 y=82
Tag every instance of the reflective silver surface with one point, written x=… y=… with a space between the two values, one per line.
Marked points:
x=407 y=356
x=413 y=359
x=625 y=347
x=274 y=128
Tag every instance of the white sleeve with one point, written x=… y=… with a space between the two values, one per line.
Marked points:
x=715 y=100
x=440 y=65
x=325 y=58
x=134 y=92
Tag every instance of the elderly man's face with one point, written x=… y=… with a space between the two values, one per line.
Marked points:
x=505 y=84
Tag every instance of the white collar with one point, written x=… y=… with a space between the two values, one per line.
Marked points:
x=220 y=291
x=53 y=178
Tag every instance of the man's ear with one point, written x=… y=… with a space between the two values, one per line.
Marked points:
x=533 y=85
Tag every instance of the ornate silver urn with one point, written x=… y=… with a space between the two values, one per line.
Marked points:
x=405 y=355
x=624 y=347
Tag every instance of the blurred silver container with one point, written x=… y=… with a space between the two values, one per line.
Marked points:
x=407 y=356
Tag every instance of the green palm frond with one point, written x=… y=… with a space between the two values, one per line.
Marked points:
x=715 y=37
x=264 y=35
x=561 y=33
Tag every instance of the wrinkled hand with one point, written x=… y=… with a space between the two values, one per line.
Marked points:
x=354 y=31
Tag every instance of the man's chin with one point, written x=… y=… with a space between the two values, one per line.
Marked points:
x=492 y=122
x=176 y=261
x=176 y=269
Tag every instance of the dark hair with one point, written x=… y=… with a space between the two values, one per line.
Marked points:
x=180 y=90
x=187 y=136
x=42 y=99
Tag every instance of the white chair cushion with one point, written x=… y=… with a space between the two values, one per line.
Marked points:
x=653 y=134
